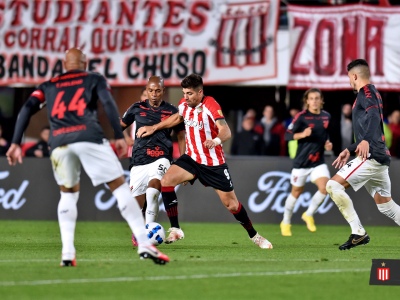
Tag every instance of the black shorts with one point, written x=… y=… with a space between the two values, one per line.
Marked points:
x=217 y=177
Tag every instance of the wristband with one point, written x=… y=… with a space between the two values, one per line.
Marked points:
x=217 y=141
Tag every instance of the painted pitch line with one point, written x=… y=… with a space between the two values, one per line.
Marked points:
x=182 y=277
x=41 y=260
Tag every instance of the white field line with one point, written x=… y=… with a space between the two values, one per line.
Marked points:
x=41 y=260
x=182 y=277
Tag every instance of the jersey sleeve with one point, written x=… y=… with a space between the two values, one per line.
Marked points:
x=104 y=92
x=294 y=127
x=129 y=116
x=215 y=109
x=32 y=105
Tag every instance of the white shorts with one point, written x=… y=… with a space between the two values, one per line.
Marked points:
x=298 y=177
x=99 y=161
x=141 y=175
x=369 y=173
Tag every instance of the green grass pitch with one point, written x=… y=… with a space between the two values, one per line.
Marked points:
x=214 y=261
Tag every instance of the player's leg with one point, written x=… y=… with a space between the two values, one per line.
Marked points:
x=230 y=201
x=319 y=176
x=176 y=174
x=102 y=166
x=156 y=171
x=355 y=173
x=298 y=179
x=66 y=169
x=379 y=187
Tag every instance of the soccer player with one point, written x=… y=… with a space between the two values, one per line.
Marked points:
x=370 y=168
x=310 y=128
x=206 y=130
x=77 y=138
x=151 y=156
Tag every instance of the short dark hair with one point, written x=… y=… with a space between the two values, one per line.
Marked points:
x=193 y=81
x=357 y=62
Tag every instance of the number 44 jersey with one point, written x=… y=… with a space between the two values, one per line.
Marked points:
x=71 y=100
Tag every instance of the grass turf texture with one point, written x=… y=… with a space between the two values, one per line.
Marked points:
x=214 y=261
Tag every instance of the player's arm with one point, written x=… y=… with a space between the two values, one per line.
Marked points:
x=172 y=121
x=224 y=134
x=293 y=132
x=111 y=110
x=181 y=142
x=31 y=106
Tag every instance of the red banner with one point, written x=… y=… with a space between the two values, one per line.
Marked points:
x=129 y=41
x=323 y=40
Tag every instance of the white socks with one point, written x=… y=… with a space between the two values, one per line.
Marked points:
x=67 y=215
x=390 y=209
x=131 y=212
x=345 y=205
x=316 y=201
x=152 y=195
x=289 y=206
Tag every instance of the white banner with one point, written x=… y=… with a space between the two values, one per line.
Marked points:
x=324 y=40
x=128 y=41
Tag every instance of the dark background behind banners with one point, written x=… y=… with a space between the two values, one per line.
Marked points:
x=196 y=203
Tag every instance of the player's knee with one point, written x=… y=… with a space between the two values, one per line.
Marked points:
x=332 y=186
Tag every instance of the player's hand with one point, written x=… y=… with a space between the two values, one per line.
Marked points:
x=307 y=132
x=145 y=131
x=209 y=144
x=342 y=159
x=328 y=145
x=362 y=150
x=14 y=155
x=122 y=147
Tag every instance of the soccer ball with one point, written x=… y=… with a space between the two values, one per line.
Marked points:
x=155 y=233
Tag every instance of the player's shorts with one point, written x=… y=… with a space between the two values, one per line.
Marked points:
x=217 y=177
x=99 y=161
x=298 y=177
x=141 y=175
x=369 y=173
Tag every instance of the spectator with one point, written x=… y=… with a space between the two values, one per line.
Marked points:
x=274 y=133
x=251 y=112
x=346 y=126
x=394 y=125
x=3 y=143
x=247 y=141
x=41 y=148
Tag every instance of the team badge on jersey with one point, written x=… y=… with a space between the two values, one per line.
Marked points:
x=199 y=109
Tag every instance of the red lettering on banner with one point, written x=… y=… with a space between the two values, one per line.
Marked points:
x=325 y=61
x=127 y=13
x=296 y=66
x=84 y=8
x=103 y=16
x=374 y=42
x=65 y=11
x=175 y=9
x=197 y=13
x=350 y=42
x=17 y=5
x=325 y=27
x=152 y=5
x=43 y=7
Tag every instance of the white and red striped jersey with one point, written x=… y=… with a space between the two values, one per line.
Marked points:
x=200 y=126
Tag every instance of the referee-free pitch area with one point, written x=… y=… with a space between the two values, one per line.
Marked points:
x=214 y=261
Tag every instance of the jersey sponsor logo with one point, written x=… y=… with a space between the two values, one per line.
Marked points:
x=70 y=129
x=193 y=123
x=314 y=157
x=143 y=114
x=155 y=152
